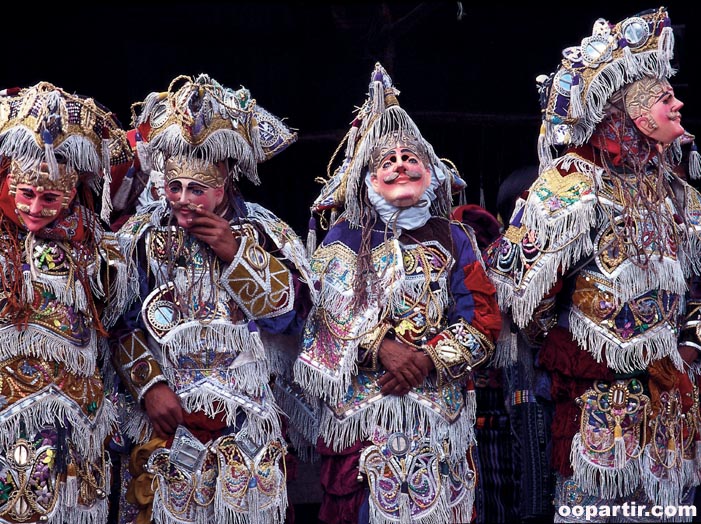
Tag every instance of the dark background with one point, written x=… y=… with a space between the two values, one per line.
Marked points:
x=466 y=72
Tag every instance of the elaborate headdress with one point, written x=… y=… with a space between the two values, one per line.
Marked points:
x=379 y=117
x=574 y=97
x=201 y=120
x=43 y=125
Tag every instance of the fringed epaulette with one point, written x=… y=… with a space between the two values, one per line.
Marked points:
x=123 y=284
x=688 y=254
x=544 y=239
x=335 y=327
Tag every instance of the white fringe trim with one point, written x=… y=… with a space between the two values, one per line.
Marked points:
x=611 y=78
x=193 y=336
x=603 y=482
x=274 y=514
x=397 y=413
x=78 y=514
x=624 y=357
x=262 y=419
x=665 y=491
x=43 y=408
x=223 y=143
x=36 y=341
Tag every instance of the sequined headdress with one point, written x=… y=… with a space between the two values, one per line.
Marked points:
x=574 y=97
x=199 y=119
x=380 y=116
x=43 y=125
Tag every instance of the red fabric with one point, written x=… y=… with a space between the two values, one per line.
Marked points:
x=485 y=225
x=560 y=353
x=202 y=427
x=342 y=493
x=565 y=424
x=572 y=371
x=119 y=171
x=487 y=316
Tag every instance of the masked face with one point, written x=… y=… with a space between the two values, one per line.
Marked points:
x=401 y=176
x=38 y=207
x=186 y=194
x=655 y=110
x=190 y=185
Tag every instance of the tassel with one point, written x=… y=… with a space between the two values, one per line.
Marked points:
x=404 y=508
x=311 y=237
x=544 y=152
x=352 y=137
x=28 y=286
x=122 y=195
x=71 y=487
x=665 y=50
x=620 y=455
x=106 y=209
x=255 y=141
x=50 y=154
x=144 y=154
x=483 y=202
x=628 y=59
x=253 y=499
x=694 y=168
x=576 y=107
x=181 y=280
x=513 y=347
x=378 y=97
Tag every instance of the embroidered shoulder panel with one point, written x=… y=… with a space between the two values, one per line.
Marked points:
x=259 y=283
x=333 y=328
x=555 y=195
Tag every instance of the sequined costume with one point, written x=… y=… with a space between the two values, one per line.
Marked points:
x=436 y=297
x=411 y=452
x=62 y=287
x=594 y=269
x=207 y=328
x=210 y=352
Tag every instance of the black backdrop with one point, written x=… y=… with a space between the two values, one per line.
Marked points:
x=466 y=73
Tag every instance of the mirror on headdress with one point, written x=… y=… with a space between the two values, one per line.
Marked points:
x=636 y=31
x=596 y=49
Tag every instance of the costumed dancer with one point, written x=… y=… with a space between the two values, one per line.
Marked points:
x=64 y=284
x=405 y=311
x=597 y=269
x=218 y=276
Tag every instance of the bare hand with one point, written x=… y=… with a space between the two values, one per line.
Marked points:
x=406 y=367
x=214 y=231
x=163 y=409
x=391 y=385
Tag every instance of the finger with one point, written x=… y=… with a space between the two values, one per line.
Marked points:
x=205 y=213
x=398 y=389
x=395 y=386
x=401 y=391
x=413 y=376
x=387 y=377
x=159 y=430
x=389 y=386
